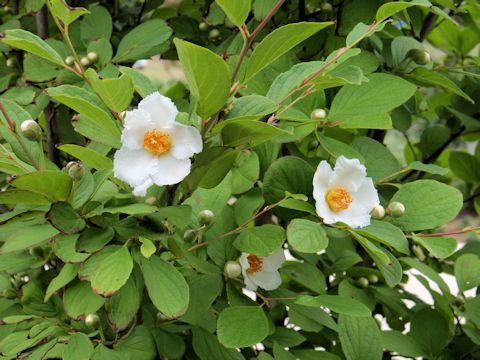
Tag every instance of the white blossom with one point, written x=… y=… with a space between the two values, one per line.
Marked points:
x=262 y=271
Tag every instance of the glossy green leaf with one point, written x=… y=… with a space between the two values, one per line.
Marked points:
x=261 y=240
x=116 y=93
x=55 y=185
x=360 y=338
x=306 y=236
x=237 y=11
x=90 y=157
x=338 y=304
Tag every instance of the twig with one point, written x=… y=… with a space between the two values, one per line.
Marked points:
x=456 y=232
x=428 y=26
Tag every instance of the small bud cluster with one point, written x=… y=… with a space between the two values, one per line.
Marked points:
x=31 y=130
x=395 y=209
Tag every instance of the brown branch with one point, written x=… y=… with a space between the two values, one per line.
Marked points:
x=428 y=26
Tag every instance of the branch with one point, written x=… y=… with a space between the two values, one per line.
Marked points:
x=428 y=26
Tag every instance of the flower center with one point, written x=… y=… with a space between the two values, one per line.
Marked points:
x=338 y=198
x=255 y=262
x=157 y=142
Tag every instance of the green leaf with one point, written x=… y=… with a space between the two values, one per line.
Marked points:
x=241 y=326
x=55 y=185
x=391 y=8
x=306 y=236
x=467 y=271
x=250 y=107
x=361 y=31
x=428 y=168
x=360 y=338
x=90 y=157
x=290 y=174
x=15 y=197
x=112 y=273
x=405 y=345
x=64 y=218
x=96 y=25
x=92 y=130
x=428 y=272
x=338 y=304
x=148 y=247
x=387 y=234
x=367 y=105
x=240 y=132
x=28 y=237
x=336 y=148
x=79 y=300
x=169 y=345
x=260 y=240
x=204 y=290
x=430 y=330
x=206 y=346
x=465 y=166
x=79 y=347
x=85 y=103
x=425 y=77
x=65 y=13
x=143 y=41
x=438 y=246
x=31 y=43
x=208 y=76
x=306 y=274
x=300 y=205
x=237 y=11
x=279 y=42
x=139 y=345
x=166 y=287
x=428 y=204
x=142 y=84
x=116 y=93
x=65 y=276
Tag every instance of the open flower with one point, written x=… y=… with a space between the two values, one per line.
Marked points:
x=155 y=149
x=344 y=194
x=259 y=271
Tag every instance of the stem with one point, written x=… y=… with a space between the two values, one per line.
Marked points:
x=10 y=123
x=457 y=232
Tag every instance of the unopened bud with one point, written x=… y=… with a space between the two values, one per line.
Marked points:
x=214 y=34
x=326 y=7
x=31 y=130
x=372 y=279
x=418 y=251
x=203 y=26
x=318 y=114
x=69 y=60
x=9 y=294
x=189 y=235
x=313 y=145
x=206 y=217
x=92 y=320
x=92 y=56
x=76 y=171
x=396 y=209
x=419 y=56
x=232 y=269
x=362 y=282
x=378 y=212
x=151 y=200
x=84 y=61
x=10 y=62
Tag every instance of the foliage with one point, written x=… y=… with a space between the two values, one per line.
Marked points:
x=90 y=271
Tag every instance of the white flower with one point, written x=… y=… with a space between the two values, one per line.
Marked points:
x=344 y=194
x=259 y=271
x=155 y=149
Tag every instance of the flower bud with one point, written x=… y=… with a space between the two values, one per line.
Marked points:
x=362 y=282
x=189 y=235
x=232 y=269
x=396 y=209
x=419 y=56
x=92 y=56
x=6 y=9
x=313 y=145
x=206 y=217
x=418 y=251
x=318 y=114
x=84 y=61
x=203 y=26
x=214 y=34
x=378 y=212
x=372 y=279
x=31 y=130
x=92 y=320
x=69 y=60
x=76 y=171
x=151 y=200
x=326 y=7
x=9 y=294
x=10 y=62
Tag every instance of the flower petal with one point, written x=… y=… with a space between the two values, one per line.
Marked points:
x=366 y=195
x=266 y=280
x=161 y=109
x=274 y=262
x=137 y=123
x=323 y=175
x=356 y=216
x=170 y=170
x=323 y=210
x=348 y=173
x=186 y=141
x=141 y=190
x=134 y=166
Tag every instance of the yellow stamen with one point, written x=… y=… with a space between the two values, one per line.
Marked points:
x=255 y=262
x=157 y=142
x=338 y=198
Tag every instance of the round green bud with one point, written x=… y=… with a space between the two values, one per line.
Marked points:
x=232 y=269
x=418 y=251
x=396 y=209
x=203 y=26
x=31 y=130
x=373 y=279
x=151 y=200
x=76 y=171
x=69 y=60
x=92 y=56
x=7 y=9
x=84 y=61
x=318 y=114
x=10 y=62
x=36 y=252
x=214 y=34
x=419 y=56
x=362 y=282
x=9 y=294
x=313 y=145
x=326 y=7
x=92 y=320
x=206 y=217
x=189 y=235
x=378 y=212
